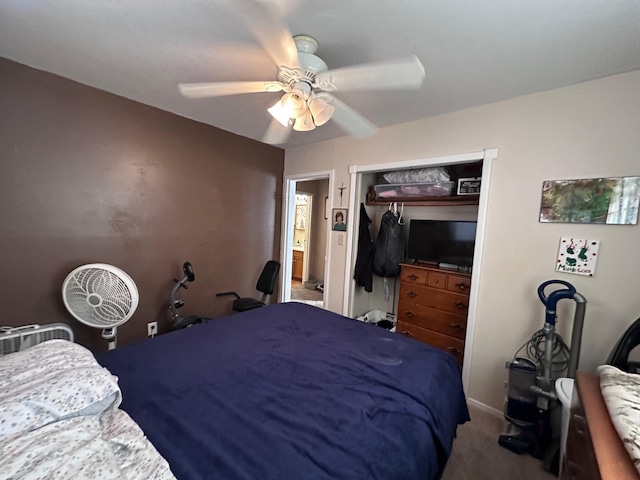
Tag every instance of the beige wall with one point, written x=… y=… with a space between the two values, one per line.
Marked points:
x=582 y=131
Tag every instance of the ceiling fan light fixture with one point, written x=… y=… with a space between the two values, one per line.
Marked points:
x=295 y=104
x=304 y=123
x=291 y=105
x=280 y=113
x=321 y=110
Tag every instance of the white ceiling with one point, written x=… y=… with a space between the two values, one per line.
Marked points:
x=474 y=51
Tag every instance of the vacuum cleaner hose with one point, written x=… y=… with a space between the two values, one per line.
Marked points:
x=536 y=347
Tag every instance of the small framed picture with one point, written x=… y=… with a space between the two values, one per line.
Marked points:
x=339 y=219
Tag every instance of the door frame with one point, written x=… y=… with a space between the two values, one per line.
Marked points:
x=309 y=231
x=487 y=156
x=286 y=235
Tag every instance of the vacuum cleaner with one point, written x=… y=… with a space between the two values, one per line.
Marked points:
x=530 y=394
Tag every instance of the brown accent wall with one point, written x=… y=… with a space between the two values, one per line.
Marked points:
x=87 y=176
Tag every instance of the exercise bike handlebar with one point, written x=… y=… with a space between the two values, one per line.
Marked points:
x=189 y=276
x=188 y=272
x=550 y=301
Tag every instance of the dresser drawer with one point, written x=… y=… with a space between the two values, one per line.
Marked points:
x=452 y=345
x=434 y=319
x=573 y=471
x=431 y=297
x=413 y=275
x=456 y=283
x=437 y=279
x=580 y=462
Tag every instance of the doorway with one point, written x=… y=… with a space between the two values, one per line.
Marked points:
x=306 y=287
x=306 y=238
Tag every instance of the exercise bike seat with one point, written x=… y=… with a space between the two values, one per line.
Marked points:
x=266 y=284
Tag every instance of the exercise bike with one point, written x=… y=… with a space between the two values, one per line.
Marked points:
x=179 y=321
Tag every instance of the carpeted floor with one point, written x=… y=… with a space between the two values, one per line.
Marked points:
x=477 y=456
x=299 y=292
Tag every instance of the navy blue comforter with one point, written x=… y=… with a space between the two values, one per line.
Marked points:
x=291 y=391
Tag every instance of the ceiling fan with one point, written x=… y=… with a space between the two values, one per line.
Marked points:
x=305 y=79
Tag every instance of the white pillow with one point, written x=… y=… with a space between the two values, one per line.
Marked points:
x=52 y=381
x=621 y=393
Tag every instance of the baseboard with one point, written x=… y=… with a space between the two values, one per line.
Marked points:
x=485 y=408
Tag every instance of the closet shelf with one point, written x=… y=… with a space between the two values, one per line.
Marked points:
x=449 y=201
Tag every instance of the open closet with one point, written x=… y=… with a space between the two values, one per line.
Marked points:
x=429 y=299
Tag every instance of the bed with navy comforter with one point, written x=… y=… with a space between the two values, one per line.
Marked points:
x=291 y=391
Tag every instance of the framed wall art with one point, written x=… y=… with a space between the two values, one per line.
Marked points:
x=339 y=219
x=578 y=256
x=609 y=201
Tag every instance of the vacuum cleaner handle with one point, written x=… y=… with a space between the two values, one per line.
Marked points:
x=554 y=297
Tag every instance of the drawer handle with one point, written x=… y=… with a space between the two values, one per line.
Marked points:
x=456 y=326
x=436 y=281
x=409 y=313
x=462 y=286
x=407 y=334
x=412 y=277
x=412 y=294
x=454 y=350
x=461 y=305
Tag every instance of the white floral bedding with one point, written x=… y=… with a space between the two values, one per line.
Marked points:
x=59 y=419
x=621 y=393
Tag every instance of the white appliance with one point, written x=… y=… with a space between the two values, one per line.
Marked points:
x=564 y=390
x=100 y=296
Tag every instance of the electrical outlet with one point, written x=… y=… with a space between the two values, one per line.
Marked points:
x=340 y=239
x=152 y=329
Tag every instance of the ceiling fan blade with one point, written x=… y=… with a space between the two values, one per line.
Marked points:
x=219 y=89
x=348 y=119
x=263 y=20
x=276 y=134
x=400 y=73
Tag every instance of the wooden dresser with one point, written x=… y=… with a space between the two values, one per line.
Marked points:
x=433 y=307
x=594 y=449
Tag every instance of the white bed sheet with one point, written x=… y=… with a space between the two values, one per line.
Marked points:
x=59 y=420
x=621 y=393
x=102 y=447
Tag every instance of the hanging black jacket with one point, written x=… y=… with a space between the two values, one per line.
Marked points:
x=364 y=261
x=390 y=246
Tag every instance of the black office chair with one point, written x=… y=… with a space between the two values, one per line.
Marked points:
x=266 y=284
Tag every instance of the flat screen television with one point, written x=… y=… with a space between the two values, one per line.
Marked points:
x=442 y=241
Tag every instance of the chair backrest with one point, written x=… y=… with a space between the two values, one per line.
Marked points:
x=619 y=356
x=267 y=281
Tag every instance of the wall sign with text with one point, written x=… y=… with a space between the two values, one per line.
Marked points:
x=577 y=256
